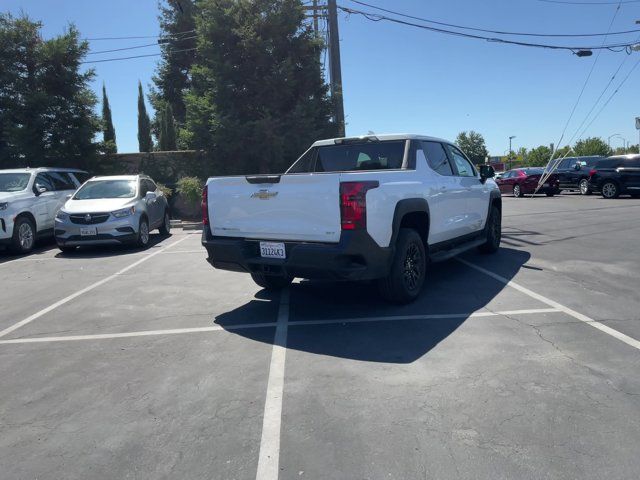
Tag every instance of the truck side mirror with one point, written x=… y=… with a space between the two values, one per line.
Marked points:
x=486 y=171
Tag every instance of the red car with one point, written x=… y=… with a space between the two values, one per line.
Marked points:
x=522 y=181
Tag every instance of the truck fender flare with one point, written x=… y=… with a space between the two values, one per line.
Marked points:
x=404 y=207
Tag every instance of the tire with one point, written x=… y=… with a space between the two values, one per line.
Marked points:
x=408 y=269
x=24 y=235
x=165 y=228
x=493 y=232
x=610 y=190
x=142 y=240
x=271 y=282
x=64 y=249
x=550 y=194
x=584 y=187
x=517 y=191
x=635 y=195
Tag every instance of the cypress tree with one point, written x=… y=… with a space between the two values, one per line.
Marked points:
x=167 y=129
x=108 y=132
x=144 y=124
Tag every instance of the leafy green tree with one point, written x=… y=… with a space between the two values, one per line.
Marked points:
x=172 y=78
x=108 y=132
x=472 y=144
x=145 y=144
x=47 y=109
x=257 y=95
x=539 y=156
x=591 y=146
x=167 y=137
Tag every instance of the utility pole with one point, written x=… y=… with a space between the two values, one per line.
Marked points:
x=510 y=156
x=334 y=66
x=315 y=16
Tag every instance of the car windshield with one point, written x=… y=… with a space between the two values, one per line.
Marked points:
x=106 y=189
x=14 y=182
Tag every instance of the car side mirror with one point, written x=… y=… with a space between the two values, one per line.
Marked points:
x=577 y=166
x=486 y=171
x=39 y=190
x=150 y=196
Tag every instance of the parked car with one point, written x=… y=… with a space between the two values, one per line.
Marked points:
x=112 y=210
x=366 y=208
x=498 y=175
x=29 y=200
x=615 y=176
x=522 y=181
x=573 y=173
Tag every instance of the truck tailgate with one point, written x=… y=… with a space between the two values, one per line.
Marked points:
x=302 y=207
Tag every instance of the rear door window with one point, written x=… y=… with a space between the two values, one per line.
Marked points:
x=386 y=155
x=61 y=181
x=437 y=158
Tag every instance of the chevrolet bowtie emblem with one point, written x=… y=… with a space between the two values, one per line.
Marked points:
x=264 y=194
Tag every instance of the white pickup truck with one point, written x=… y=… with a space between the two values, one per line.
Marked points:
x=365 y=208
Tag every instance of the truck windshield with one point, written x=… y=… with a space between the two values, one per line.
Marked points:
x=14 y=182
x=106 y=189
x=386 y=155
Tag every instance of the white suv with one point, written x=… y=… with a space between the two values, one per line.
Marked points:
x=29 y=201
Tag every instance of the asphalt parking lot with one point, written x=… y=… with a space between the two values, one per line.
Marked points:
x=122 y=363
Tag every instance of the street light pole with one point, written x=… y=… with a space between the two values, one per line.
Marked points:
x=510 y=156
x=610 y=137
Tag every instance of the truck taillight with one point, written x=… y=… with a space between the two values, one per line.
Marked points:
x=592 y=172
x=353 y=204
x=205 y=205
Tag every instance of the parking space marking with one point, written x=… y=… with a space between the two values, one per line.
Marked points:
x=269 y=456
x=298 y=323
x=93 y=286
x=552 y=303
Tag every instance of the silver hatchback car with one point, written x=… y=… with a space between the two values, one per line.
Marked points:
x=112 y=210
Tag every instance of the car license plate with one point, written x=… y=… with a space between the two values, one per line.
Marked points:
x=272 y=250
x=88 y=232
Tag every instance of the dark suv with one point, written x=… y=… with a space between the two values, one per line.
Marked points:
x=616 y=176
x=573 y=173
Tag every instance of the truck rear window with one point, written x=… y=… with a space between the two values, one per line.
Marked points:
x=387 y=155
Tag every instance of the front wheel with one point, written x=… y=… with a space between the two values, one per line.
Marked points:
x=408 y=269
x=143 y=234
x=271 y=282
x=24 y=235
x=610 y=190
x=550 y=194
x=584 y=187
x=517 y=191
x=493 y=232
x=64 y=249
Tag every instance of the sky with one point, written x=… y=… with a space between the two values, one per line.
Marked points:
x=398 y=78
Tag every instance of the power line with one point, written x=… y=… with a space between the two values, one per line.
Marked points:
x=498 y=32
x=138 y=46
x=565 y=2
x=374 y=17
x=139 y=37
x=137 y=56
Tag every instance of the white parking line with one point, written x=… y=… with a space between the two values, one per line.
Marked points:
x=59 y=303
x=269 y=456
x=302 y=323
x=552 y=303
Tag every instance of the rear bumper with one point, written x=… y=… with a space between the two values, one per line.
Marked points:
x=355 y=257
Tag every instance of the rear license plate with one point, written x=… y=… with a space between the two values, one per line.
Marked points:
x=272 y=250
x=88 y=232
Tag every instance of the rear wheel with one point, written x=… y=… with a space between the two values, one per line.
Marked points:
x=584 y=187
x=493 y=232
x=517 y=191
x=165 y=228
x=550 y=194
x=610 y=190
x=408 y=269
x=143 y=233
x=24 y=235
x=271 y=282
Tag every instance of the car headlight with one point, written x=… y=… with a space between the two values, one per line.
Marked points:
x=62 y=215
x=4 y=205
x=125 y=212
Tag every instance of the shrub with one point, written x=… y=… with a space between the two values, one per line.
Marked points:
x=190 y=188
x=166 y=190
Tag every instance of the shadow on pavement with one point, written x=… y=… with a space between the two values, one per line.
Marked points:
x=102 y=251
x=451 y=288
x=42 y=245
